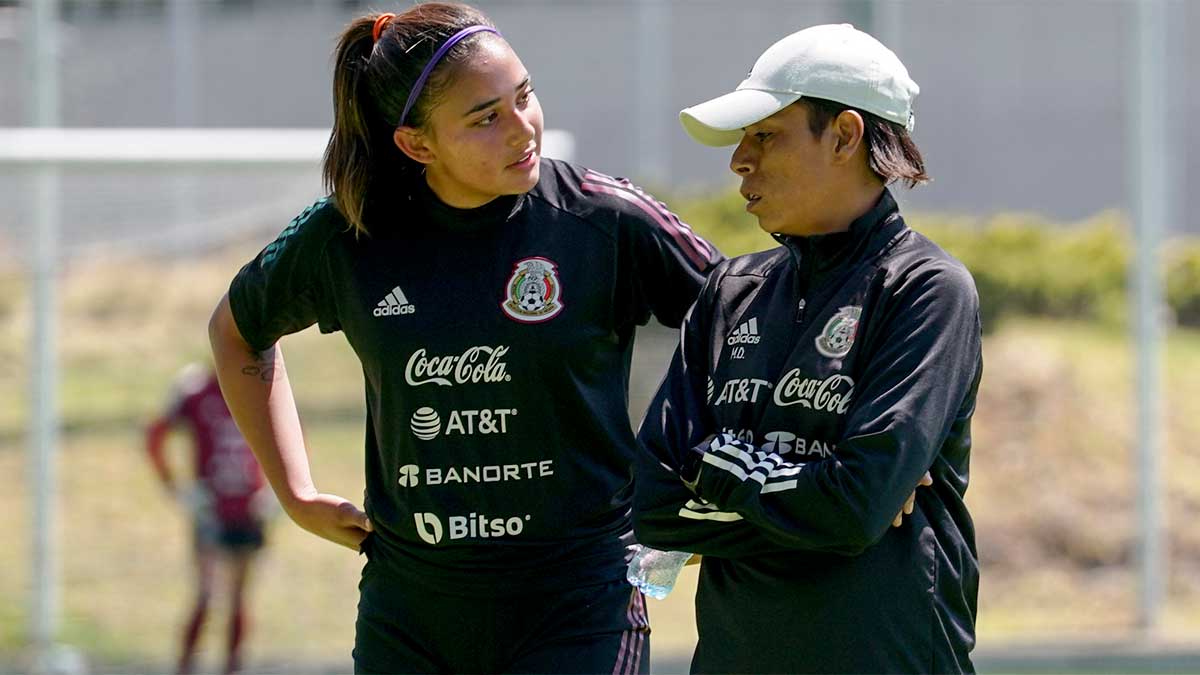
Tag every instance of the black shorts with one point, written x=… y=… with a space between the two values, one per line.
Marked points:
x=229 y=537
x=419 y=628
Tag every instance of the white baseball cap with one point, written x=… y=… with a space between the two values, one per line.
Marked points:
x=834 y=61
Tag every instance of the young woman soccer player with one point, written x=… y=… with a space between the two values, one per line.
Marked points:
x=492 y=297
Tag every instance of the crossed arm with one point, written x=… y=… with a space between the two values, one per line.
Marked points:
x=739 y=500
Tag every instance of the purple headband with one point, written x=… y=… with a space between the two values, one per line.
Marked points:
x=437 y=56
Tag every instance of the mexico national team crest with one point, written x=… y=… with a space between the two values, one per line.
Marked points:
x=837 y=337
x=533 y=291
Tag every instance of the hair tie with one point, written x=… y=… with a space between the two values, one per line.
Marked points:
x=381 y=22
x=437 y=56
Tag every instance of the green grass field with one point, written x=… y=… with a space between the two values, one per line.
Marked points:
x=1052 y=478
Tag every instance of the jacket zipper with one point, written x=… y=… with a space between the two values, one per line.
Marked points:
x=803 y=276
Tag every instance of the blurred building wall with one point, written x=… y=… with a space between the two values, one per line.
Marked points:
x=1022 y=105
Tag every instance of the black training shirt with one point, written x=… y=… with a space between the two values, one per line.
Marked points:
x=495 y=346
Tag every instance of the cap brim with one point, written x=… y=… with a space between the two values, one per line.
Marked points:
x=720 y=121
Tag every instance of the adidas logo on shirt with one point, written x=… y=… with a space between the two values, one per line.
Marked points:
x=394 y=304
x=746 y=334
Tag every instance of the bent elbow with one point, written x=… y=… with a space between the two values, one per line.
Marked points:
x=870 y=530
x=860 y=533
x=652 y=534
x=643 y=532
x=857 y=542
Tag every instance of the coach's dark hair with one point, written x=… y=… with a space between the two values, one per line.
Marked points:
x=371 y=83
x=891 y=152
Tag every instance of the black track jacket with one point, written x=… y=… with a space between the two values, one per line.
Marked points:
x=845 y=366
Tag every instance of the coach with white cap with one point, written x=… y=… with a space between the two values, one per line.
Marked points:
x=817 y=383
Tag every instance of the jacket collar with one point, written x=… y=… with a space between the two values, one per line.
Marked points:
x=868 y=234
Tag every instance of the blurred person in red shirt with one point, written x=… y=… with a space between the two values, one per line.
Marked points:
x=226 y=499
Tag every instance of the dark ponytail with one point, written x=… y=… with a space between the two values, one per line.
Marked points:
x=348 y=163
x=371 y=83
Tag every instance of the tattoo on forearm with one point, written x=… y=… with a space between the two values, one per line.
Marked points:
x=266 y=368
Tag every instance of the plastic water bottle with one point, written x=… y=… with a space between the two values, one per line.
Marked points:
x=654 y=572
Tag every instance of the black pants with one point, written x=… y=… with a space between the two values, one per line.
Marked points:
x=417 y=628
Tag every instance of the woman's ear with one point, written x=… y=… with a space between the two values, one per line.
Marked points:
x=849 y=128
x=415 y=144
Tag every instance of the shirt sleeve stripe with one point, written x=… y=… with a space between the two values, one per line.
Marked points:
x=696 y=249
x=649 y=201
x=694 y=510
x=719 y=516
x=767 y=469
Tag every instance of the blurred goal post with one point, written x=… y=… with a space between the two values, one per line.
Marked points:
x=61 y=147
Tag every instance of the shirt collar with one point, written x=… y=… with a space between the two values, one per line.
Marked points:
x=441 y=216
